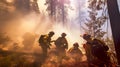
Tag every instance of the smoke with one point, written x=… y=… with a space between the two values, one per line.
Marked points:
x=23 y=31
x=22 y=34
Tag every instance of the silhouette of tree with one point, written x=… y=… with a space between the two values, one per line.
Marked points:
x=26 y=6
x=96 y=20
x=115 y=23
x=58 y=9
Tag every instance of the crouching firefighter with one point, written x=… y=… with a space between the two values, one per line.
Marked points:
x=99 y=51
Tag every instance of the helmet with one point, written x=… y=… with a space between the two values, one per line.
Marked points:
x=86 y=36
x=76 y=44
x=51 y=33
x=63 y=34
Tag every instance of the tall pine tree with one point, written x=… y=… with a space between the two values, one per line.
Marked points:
x=51 y=7
x=57 y=9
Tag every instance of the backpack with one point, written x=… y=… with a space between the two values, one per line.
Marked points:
x=60 y=44
x=99 y=47
x=41 y=38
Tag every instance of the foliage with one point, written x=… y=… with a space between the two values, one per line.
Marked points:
x=110 y=43
x=97 y=18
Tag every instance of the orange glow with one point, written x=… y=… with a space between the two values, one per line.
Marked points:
x=72 y=36
x=9 y=1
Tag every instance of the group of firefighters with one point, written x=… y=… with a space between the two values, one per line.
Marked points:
x=96 y=50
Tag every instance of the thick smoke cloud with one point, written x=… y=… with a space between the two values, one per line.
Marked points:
x=20 y=34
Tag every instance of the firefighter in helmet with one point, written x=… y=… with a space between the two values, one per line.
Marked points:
x=75 y=52
x=61 y=46
x=88 y=48
x=45 y=42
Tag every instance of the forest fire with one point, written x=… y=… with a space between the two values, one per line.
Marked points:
x=25 y=25
x=26 y=40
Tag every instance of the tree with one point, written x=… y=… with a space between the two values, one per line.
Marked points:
x=34 y=6
x=26 y=6
x=58 y=9
x=4 y=11
x=115 y=23
x=63 y=10
x=51 y=7
x=95 y=21
x=22 y=6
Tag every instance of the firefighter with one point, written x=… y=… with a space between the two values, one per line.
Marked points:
x=96 y=52
x=87 y=46
x=61 y=43
x=99 y=50
x=61 y=46
x=75 y=52
x=45 y=42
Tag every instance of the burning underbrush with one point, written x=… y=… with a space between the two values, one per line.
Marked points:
x=28 y=53
x=73 y=60
x=23 y=59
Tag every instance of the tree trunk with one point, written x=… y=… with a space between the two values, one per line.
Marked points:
x=114 y=15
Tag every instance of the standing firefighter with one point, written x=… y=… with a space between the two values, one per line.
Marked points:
x=45 y=42
x=61 y=46
x=88 y=48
